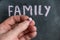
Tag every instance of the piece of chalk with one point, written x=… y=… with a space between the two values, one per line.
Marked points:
x=30 y=19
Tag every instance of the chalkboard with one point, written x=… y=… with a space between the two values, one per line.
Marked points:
x=46 y=14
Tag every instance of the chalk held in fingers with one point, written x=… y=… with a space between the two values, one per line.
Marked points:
x=30 y=19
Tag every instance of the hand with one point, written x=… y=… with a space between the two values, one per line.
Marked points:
x=17 y=28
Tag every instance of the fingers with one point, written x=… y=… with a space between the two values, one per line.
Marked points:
x=22 y=26
x=32 y=34
x=32 y=23
x=28 y=36
x=31 y=28
x=12 y=20
x=7 y=24
x=23 y=18
x=19 y=29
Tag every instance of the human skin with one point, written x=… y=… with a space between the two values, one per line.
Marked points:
x=17 y=28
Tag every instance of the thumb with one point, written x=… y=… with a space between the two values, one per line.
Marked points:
x=18 y=29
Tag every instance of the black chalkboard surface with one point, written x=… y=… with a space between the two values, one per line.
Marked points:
x=46 y=14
